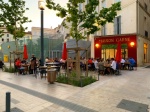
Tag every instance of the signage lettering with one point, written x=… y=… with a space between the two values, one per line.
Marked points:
x=114 y=40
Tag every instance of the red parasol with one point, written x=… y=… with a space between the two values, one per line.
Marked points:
x=118 y=53
x=25 y=53
x=64 y=53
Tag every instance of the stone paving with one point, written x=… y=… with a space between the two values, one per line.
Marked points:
x=129 y=92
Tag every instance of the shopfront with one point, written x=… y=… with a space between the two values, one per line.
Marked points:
x=105 y=46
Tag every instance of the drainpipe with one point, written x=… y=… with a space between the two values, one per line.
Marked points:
x=137 y=24
x=137 y=17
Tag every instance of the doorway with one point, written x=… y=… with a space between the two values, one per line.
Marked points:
x=145 y=52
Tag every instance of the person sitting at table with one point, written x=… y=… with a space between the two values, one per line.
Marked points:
x=127 y=63
x=18 y=66
x=113 y=65
x=122 y=63
x=46 y=60
x=1 y=64
x=90 y=64
x=24 y=64
x=101 y=67
x=107 y=67
x=56 y=60
x=132 y=63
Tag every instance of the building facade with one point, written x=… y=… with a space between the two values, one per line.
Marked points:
x=131 y=26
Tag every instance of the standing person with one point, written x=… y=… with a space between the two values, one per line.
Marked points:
x=33 y=64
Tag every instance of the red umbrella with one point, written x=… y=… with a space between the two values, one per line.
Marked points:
x=118 y=53
x=64 y=52
x=25 y=52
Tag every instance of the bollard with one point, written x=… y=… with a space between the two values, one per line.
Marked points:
x=7 y=101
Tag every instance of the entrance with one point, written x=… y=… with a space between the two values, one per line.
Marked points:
x=145 y=52
x=109 y=51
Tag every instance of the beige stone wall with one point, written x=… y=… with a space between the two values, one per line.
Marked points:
x=132 y=21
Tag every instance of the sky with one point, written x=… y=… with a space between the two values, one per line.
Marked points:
x=34 y=14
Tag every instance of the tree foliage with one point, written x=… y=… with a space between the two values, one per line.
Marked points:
x=87 y=21
x=12 y=17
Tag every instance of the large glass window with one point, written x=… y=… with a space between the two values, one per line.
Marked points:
x=109 y=51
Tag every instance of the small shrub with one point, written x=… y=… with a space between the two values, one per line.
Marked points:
x=73 y=80
x=9 y=69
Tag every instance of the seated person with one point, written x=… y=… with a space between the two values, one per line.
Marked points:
x=24 y=66
x=101 y=67
x=46 y=60
x=18 y=66
x=113 y=65
x=1 y=64
x=132 y=63
x=122 y=63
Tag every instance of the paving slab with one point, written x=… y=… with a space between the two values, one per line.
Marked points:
x=29 y=94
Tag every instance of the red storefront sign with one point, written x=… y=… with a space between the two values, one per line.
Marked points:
x=130 y=40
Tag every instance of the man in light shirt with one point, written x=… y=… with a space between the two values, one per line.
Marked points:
x=122 y=63
x=113 y=65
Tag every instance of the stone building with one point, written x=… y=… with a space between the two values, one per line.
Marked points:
x=131 y=27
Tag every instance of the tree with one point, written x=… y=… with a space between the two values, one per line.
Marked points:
x=1 y=31
x=12 y=16
x=84 y=22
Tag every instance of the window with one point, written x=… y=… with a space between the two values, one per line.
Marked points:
x=104 y=3
x=87 y=1
x=7 y=40
x=7 y=35
x=117 y=1
x=117 y=25
x=2 y=40
x=80 y=7
x=145 y=6
x=146 y=33
x=144 y=18
x=104 y=30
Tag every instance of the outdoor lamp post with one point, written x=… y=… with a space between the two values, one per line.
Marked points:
x=41 y=6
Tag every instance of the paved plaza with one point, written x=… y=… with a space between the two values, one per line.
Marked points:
x=129 y=92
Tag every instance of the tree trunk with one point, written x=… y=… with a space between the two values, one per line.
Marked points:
x=16 y=43
x=78 y=71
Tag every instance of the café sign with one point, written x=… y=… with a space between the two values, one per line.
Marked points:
x=110 y=40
